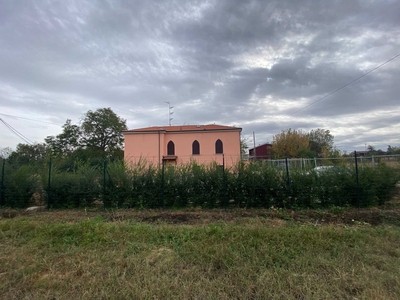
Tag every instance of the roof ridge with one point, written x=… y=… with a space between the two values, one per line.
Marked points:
x=184 y=127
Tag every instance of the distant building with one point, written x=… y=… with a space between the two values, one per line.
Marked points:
x=360 y=153
x=181 y=144
x=261 y=152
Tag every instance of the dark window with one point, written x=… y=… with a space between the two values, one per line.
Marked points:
x=219 y=148
x=195 y=147
x=170 y=148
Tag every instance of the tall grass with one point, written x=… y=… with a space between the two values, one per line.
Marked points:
x=210 y=186
x=91 y=258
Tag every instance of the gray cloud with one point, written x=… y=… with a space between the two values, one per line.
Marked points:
x=253 y=64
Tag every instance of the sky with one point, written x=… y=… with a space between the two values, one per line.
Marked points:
x=264 y=66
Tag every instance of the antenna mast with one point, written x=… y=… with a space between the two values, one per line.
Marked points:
x=169 y=112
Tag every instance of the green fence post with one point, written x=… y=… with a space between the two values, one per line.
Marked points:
x=358 y=185
x=104 y=183
x=49 y=186
x=287 y=174
x=162 y=183
x=224 y=180
x=2 y=181
x=287 y=178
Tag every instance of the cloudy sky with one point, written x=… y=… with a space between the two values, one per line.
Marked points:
x=253 y=64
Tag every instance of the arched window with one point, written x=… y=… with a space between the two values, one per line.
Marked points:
x=171 y=148
x=219 y=148
x=195 y=147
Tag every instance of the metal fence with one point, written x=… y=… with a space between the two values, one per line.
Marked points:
x=282 y=183
x=310 y=163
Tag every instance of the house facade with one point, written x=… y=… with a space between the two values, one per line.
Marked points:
x=260 y=152
x=360 y=153
x=182 y=144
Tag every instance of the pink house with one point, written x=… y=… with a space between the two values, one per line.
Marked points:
x=182 y=144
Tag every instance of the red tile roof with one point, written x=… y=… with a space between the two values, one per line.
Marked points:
x=209 y=127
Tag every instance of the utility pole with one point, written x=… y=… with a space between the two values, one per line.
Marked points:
x=254 y=145
x=169 y=112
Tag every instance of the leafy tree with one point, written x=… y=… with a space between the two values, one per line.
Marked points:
x=393 y=150
x=5 y=152
x=306 y=153
x=290 y=143
x=100 y=134
x=321 y=142
x=102 y=131
x=335 y=152
x=26 y=153
x=66 y=142
x=372 y=151
x=243 y=145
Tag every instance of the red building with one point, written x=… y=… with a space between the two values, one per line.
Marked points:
x=261 y=152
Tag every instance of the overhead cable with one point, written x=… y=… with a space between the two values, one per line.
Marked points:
x=347 y=84
x=13 y=130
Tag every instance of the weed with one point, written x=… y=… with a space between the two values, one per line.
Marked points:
x=337 y=210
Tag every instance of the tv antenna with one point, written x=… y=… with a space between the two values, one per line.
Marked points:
x=169 y=112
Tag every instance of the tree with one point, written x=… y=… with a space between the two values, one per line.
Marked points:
x=25 y=153
x=290 y=143
x=372 y=151
x=321 y=142
x=66 y=142
x=99 y=135
x=336 y=152
x=5 y=152
x=243 y=145
x=393 y=150
x=102 y=131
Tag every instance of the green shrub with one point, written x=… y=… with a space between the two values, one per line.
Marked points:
x=20 y=183
x=246 y=185
x=136 y=186
x=77 y=188
x=377 y=184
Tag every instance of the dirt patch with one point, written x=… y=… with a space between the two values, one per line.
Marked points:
x=9 y=214
x=171 y=218
x=348 y=217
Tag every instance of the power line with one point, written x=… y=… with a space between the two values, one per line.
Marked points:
x=347 y=84
x=22 y=118
x=13 y=130
x=16 y=132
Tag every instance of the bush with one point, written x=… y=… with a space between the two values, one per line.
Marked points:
x=79 y=187
x=210 y=186
x=19 y=185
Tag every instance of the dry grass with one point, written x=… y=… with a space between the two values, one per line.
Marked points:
x=196 y=254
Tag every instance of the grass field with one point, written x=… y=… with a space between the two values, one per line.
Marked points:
x=201 y=254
